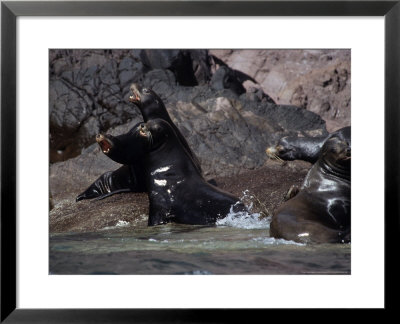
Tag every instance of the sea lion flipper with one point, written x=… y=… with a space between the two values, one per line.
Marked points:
x=112 y=182
x=292 y=192
x=157 y=213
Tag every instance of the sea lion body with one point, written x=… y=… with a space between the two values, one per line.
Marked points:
x=321 y=211
x=291 y=148
x=177 y=193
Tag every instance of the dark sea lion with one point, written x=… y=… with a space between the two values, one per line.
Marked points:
x=320 y=212
x=152 y=107
x=291 y=148
x=176 y=191
x=129 y=177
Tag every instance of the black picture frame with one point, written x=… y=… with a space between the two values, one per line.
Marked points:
x=10 y=10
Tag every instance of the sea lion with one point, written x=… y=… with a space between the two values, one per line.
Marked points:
x=129 y=177
x=152 y=107
x=176 y=191
x=291 y=148
x=320 y=212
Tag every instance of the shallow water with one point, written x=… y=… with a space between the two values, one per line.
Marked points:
x=238 y=245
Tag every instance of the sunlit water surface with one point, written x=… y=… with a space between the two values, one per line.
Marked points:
x=239 y=244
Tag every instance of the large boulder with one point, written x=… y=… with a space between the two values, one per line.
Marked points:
x=317 y=80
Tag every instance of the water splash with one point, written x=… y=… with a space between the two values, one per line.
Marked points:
x=245 y=219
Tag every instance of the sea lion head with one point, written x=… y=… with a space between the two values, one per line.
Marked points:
x=156 y=132
x=149 y=103
x=284 y=150
x=124 y=149
x=336 y=152
x=106 y=143
x=136 y=94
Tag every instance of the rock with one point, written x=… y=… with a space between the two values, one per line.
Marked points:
x=225 y=78
x=317 y=80
x=190 y=67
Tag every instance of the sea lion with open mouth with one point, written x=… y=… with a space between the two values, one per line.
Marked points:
x=129 y=177
x=320 y=212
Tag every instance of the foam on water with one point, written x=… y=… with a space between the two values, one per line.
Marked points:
x=120 y=223
x=245 y=219
x=274 y=241
x=168 y=241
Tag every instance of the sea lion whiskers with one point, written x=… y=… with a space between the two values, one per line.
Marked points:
x=276 y=157
x=271 y=152
x=144 y=132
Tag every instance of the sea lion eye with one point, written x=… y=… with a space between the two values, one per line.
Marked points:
x=145 y=90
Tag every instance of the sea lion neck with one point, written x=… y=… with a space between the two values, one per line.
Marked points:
x=336 y=169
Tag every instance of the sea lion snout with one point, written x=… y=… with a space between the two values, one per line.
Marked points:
x=143 y=131
x=99 y=138
x=135 y=93
x=104 y=143
x=270 y=151
x=273 y=153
